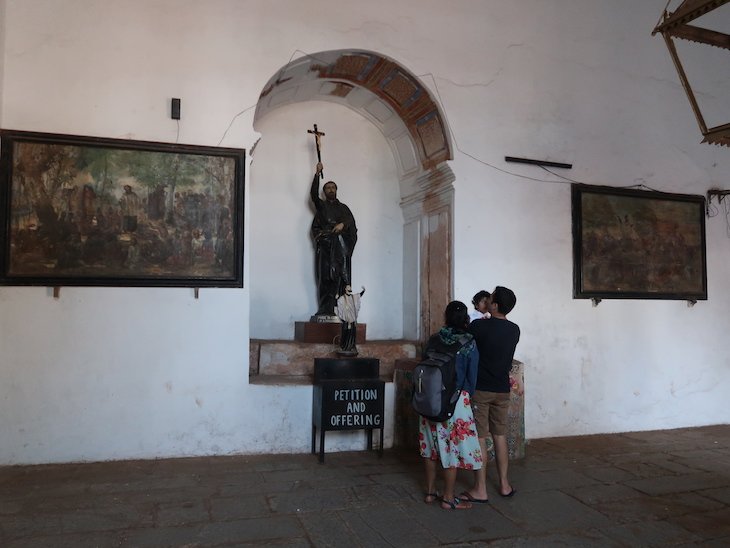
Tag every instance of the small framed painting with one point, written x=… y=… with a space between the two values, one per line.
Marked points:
x=635 y=244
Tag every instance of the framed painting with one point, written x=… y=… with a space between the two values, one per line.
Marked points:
x=635 y=244
x=86 y=211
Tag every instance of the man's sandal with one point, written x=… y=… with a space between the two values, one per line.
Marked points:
x=456 y=504
x=467 y=497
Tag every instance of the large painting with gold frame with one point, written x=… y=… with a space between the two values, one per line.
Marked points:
x=111 y=212
x=635 y=244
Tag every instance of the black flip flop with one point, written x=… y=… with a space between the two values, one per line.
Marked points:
x=453 y=504
x=510 y=494
x=467 y=497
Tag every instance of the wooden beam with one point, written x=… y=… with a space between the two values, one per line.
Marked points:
x=718 y=135
x=704 y=36
x=689 y=10
x=685 y=83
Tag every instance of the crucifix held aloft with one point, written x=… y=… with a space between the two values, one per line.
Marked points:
x=317 y=136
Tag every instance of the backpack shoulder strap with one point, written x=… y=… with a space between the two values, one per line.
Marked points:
x=434 y=344
x=463 y=340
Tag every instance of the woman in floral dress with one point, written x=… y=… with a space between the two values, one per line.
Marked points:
x=453 y=442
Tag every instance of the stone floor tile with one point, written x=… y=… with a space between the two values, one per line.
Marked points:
x=721 y=494
x=647 y=508
x=327 y=478
x=182 y=512
x=678 y=484
x=722 y=542
x=227 y=489
x=22 y=525
x=231 y=508
x=321 y=500
x=670 y=463
x=582 y=538
x=542 y=512
x=107 y=519
x=709 y=461
x=644 y=488
x=651 y=533
x=707 y=525
x=413 y=479
x=479 y=523
x=607 y=473
x=638 y=468
x=380 y=468
x=250 y=530
x=10 y=506
x=162 y=537
x=546 y=446
x=545 y=463
x=256 y=531
x=278 y=463
x=329 y=530
x=524 y=479
x=144 y=485
x=276 y=543
x=594 y=494
x=385 y=494
x=386 y=526
x=77 y=540
x=600 y=444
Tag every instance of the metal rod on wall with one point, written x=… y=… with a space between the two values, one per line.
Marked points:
x=537 y=162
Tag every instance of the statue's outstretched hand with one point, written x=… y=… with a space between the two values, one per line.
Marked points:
x=320 y=167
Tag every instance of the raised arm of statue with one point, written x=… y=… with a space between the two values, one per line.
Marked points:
x=314 y=191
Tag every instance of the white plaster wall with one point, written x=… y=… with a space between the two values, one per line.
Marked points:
x=587 y=84
x=126 y=373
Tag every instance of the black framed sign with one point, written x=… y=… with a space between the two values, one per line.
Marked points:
x=111 y=212
x=635 y=244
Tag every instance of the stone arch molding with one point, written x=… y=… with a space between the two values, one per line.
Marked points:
x=404 y=110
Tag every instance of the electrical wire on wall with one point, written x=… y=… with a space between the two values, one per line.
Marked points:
x=441 y=102
x=233 y=120
x=254 y=105
x=714 y=210
x=566 y=180
x=562 y=178
x=453 y=136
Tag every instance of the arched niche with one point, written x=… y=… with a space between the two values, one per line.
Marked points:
x=403 y=109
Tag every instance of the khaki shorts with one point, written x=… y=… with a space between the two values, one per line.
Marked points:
x=490 y=412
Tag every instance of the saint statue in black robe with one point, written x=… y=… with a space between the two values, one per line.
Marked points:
x=335 y=234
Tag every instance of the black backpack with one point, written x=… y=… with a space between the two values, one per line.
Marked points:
x=434 y=379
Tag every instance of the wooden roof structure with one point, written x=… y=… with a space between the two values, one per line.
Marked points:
x=676 y=24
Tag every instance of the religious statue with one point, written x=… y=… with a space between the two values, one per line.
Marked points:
x=335 y=235
x=347 y=307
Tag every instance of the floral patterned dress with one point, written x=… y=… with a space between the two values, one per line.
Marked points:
x=454 y=442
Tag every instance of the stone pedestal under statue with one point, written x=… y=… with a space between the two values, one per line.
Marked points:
x=325 y=332
x=292 y=362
